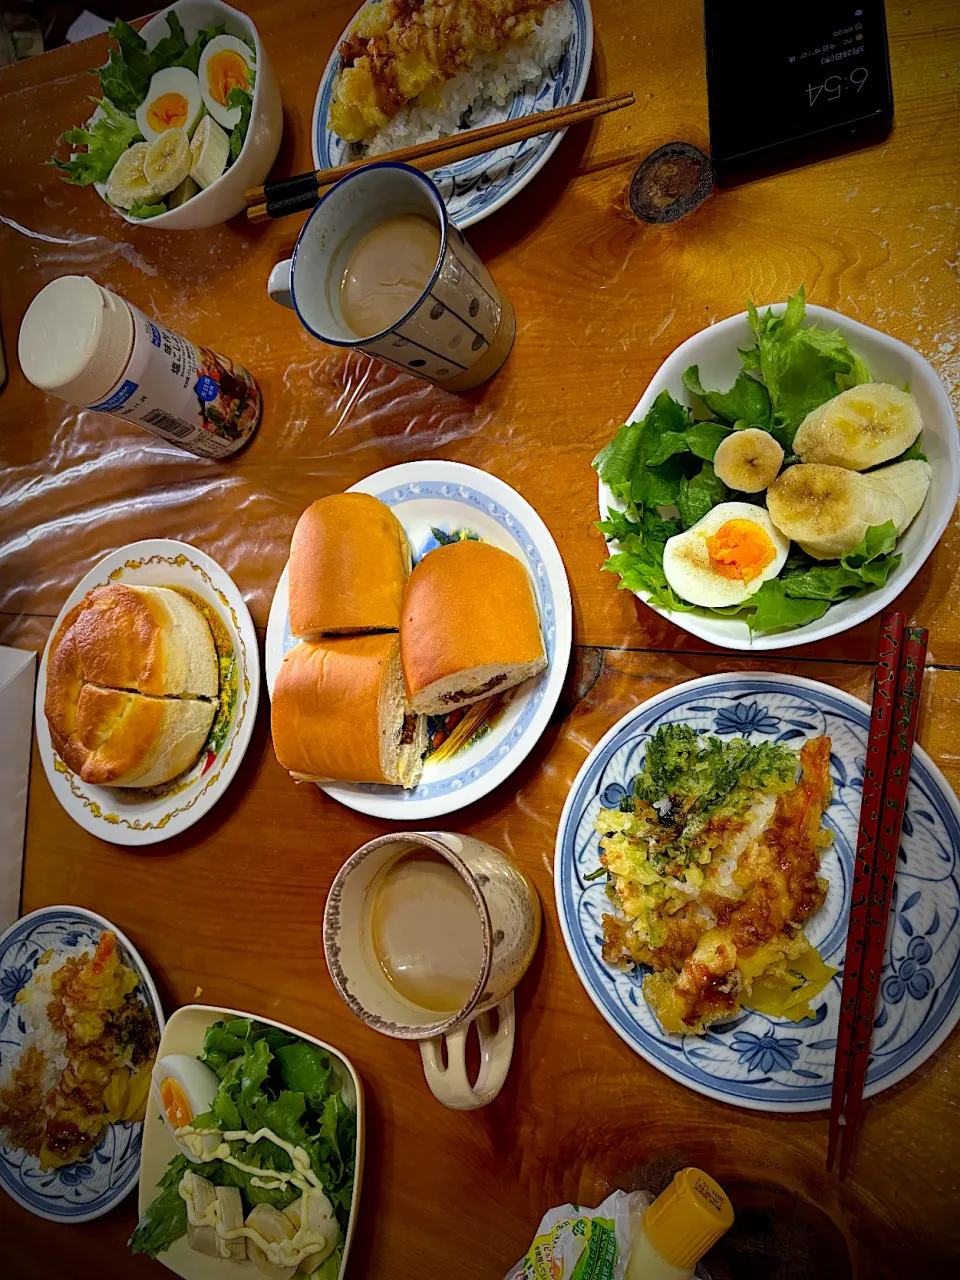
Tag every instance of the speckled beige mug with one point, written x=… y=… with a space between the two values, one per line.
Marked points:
x=510 y=919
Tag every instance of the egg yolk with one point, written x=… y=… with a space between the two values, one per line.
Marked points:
x=169 y=111
x=175 y=1103
x=226 y=70
x=740 y=549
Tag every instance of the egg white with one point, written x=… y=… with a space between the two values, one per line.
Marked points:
x=197 y=1081
x=687 y=565
x=171 y=80
x=226 y=116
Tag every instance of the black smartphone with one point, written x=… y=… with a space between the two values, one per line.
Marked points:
x=790 y=84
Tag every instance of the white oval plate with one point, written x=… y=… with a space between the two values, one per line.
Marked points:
x=449 y=496
x=90 y=1187
x=889 y=360
x=473 y=189
x=125 y=815
x=184 y=1034
x=756 y=1061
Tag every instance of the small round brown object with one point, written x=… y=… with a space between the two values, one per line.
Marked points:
x=672 y=182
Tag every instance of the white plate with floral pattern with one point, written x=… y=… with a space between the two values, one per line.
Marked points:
x=756 y=1061
x=92 y=1186
x=436 y=502
x=129 y=815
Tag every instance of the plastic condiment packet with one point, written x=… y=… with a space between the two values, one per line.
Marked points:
x=573 y=1243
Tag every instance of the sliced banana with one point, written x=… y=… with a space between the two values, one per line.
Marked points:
x=748 y=460
x=128 y=184
x=209 y=152
x=860 y=428
x=827 y=510
x=910 y=481
x=273 y=1228
x=167 y=161
x=230 y=1218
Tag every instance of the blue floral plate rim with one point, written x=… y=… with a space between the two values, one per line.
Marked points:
x=469 y=192
x=922 y=952
x=68 y=1194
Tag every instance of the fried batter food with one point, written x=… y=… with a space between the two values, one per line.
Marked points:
x=398 y=50
x=110 y=1043
x=778 y=874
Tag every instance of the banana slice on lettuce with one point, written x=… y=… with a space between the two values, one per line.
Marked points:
x=860 y=428
x=128 y=183
x=167 y=161
x=748 y=460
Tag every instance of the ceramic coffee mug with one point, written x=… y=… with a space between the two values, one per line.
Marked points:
x=460 y=330
x=510 y=918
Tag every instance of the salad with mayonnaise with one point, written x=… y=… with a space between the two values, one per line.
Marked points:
x=172 y=119
x=267 y=1153
x=775 y=499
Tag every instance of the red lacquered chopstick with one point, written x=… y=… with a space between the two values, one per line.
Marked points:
x=902 y=735
x=874 y=776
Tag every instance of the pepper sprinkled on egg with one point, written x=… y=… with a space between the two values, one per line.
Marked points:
x=725 y=557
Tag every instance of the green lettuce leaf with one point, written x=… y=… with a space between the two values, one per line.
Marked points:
x=138 y=210
x=190 y=57
x=639 y=562
x=704 y=438
x=165 y=1218
x=637 y=442
x=305 y=1068
x=801 y=368
x=700 y=494
x=747 y=402
x=238 y=97
x=125 y=77
x=106 y=140
x=169 y=49
x=774 y=609
x=873 y=559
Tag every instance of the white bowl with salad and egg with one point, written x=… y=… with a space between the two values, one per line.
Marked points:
x=252 y=1150
x=784 y=477
x=188 y=118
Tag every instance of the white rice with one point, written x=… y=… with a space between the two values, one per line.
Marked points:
x=490 y=82
x=32 y=1008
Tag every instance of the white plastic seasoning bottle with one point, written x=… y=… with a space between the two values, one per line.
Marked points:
x=94 y=349
x=682 y=1224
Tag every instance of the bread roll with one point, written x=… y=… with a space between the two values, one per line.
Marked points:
x=339 y=713
x=122 y=739
x=150 y=639
x=469 y=629
x=132 y=682
x=349 y=560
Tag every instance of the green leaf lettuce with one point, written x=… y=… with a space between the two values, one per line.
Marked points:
x=106 y=140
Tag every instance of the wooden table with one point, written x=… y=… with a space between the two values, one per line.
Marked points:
x=600 y=302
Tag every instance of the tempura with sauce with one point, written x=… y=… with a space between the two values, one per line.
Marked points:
x=714 y=863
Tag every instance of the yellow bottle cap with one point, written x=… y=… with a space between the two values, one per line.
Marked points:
x=687 y=1219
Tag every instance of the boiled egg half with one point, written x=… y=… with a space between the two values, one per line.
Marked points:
x=183 y=1088
x=226 y=63
x=725 y=557
x=173 y=101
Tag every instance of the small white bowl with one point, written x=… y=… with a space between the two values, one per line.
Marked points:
x=223 y=199
x=889 y=360
x=184 y=1034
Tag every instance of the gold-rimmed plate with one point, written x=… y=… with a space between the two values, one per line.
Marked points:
x=133 y=816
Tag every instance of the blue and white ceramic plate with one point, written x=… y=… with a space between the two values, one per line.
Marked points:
x=755 y=1061
x=472 y=189
x=434 y=501
x=93 y=1186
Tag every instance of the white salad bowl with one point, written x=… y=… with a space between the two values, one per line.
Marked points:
x=889 y=360
x=184 y=1033
x=224 y=198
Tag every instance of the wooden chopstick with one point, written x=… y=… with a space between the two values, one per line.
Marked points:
x=296 y=194
x=889 y=751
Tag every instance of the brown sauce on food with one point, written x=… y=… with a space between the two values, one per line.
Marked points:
x=409 y=731
x=458 y=695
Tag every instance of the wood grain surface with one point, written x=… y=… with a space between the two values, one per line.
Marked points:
x=600 y=302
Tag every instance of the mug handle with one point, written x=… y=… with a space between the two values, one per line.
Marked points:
x=450 y=1085
x=278 y=285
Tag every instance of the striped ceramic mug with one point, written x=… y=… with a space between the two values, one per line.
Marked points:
x=461 y=328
